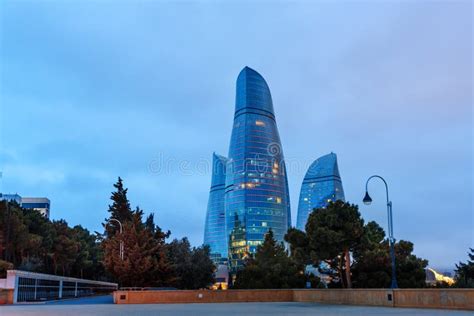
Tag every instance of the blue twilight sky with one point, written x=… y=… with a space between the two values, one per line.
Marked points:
x=146 y=90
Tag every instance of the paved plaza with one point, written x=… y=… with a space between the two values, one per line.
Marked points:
x=103 y=306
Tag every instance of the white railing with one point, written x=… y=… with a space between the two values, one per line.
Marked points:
x=32 y=286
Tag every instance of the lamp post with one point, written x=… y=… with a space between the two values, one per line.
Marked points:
x=121 y=248
x=367 y=200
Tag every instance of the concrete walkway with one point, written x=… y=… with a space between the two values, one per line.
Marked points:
x=102 y=306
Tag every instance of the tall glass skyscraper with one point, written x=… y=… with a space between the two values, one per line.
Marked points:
x=214 y=231
x=322 y=184
x=256 y=195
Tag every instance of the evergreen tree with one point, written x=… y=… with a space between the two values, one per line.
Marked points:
x=411 y=271
x=41 y=235
x=299 y=246
x=88 y=263
x=372 y=262
x=150 y=223
x=145 y=261
x=192 y=267
x=39 y=245
x=465 y=272
x=65 y=249
x=119 y=210
x=165 y=274
x=179 y=256
x=271 y=268
x=203 y=267
x=139 y=265
x=333 y=232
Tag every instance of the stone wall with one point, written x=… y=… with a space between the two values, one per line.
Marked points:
x=374 y=297
x=202 y=296
x=435 y=298
x=420 y=298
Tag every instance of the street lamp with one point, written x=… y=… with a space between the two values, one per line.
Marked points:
x=391 y=240
x=121 y=248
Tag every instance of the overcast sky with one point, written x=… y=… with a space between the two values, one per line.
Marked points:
x=146 y=91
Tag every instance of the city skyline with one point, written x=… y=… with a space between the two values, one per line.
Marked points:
x=86 y=99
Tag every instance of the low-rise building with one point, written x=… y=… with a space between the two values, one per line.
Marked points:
x=40 y=204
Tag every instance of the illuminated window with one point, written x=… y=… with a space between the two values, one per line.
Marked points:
x=259 y=123
x=240 y=243
x=279 y=200
x=264 y=224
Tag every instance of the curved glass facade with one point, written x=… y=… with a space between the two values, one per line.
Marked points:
x=322 y=184
x=256 y=187
x=214 y=231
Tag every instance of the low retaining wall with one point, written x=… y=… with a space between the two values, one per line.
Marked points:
x=370 y=297
x=419 y=298
x=6 y=296
x=435 y=298
x=202 y=296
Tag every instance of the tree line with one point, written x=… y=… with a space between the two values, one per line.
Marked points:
x=31 y=242
x=337 y=242
x=348 y=252
x=341 y=247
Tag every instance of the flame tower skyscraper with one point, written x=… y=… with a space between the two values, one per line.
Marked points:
x=255 y=195
x=321 y=185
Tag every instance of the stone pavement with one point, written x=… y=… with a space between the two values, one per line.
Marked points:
x=103 y=306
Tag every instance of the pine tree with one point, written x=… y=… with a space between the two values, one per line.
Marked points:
x=139 y=267
x=165 y=275
x=271 y=268
x=65 y=248
x=192 y=267
x=334 y=232
x=371 y=267
x=144 y=260
x=465 y=272
x=299 y=247
x=119 y=210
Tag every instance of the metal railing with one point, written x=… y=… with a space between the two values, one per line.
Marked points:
x=31 y=286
